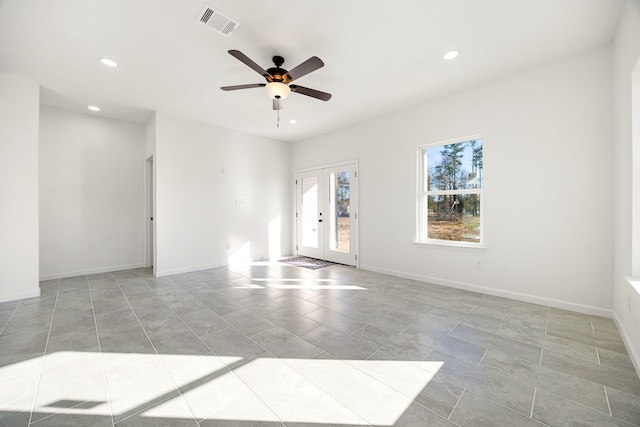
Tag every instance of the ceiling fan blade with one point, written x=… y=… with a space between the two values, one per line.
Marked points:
x=324 y=96
x=249 y=63
x=277 y=105
x=306 y=67
x=247 y=86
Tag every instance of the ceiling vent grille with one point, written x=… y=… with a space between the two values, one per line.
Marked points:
x=217 y=20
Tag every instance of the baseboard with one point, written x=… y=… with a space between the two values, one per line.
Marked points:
x=565 y=305
x=19 y=295
x=160 y=273
x=65 y=274
x=635 y=357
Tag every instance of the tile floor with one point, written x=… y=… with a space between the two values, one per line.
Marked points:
x=277 y=345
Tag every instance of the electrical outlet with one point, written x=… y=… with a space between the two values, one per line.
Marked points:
x=479 y=264
x=228 y=245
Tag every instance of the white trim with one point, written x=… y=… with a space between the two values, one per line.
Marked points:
x=355 y=205
x=149 y=212
x=453 y=245
x=188 y=269
x=19 y=295
x=566 y=305
x=422 y=223
x=452 y=141
x=635 y=357
x=330 y=165
x=90 y=271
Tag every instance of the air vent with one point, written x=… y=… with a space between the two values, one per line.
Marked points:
x=217 y=20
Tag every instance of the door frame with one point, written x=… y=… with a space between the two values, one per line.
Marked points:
x=354 y=242
x=149 y=212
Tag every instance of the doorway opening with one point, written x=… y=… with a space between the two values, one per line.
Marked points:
x=326 y=213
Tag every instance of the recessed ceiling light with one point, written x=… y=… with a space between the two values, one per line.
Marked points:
x=93 y=108
x=451 y=54
x=109 y=62
x=293 y=121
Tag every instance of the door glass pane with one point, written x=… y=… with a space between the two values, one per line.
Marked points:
x=339 y=215
x=309 y=212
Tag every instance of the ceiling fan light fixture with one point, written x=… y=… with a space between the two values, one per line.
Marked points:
x=277 y=90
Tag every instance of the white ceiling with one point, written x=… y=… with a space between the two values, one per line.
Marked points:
x=380 y=56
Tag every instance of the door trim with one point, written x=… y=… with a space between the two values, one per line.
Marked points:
x=296 y=226
x=149 y=212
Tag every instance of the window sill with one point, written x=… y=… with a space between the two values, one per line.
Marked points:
x=453 y=246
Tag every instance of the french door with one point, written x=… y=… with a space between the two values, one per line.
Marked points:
x=326 y=212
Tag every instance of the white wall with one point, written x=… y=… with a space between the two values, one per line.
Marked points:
x=19 y=101
x=91 y=194
x=547 y=197
x=626 y=54
x=216 y=187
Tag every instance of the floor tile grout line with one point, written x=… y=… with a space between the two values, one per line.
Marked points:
x=451 y=330
x=354 y=332
x=372 y=354
x=584 y=405
x=44 y=353
x=541 y=353
x=221 y=317
x=533 y=402
x=508 y=408
x=59 y=308
x=606 y=395
x=211 y=310
x=157 y=354
x=405 y=329
x=375 y=411
x=231 y=370
x=547 y=390
x=593 y=330
x=104 y=370
x=11 y=316
x=64 y=411
x=595 y=366
x=456 y=405
x=598 y=356
x=546 y=327
x=482 y=358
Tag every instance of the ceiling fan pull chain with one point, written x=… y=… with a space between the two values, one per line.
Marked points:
x=278 y=121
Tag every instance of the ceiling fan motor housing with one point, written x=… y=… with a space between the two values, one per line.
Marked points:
x=278 y=74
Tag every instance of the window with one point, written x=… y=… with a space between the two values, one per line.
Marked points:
x=450 y=192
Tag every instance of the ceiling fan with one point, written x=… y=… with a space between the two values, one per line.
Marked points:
x=278 y=79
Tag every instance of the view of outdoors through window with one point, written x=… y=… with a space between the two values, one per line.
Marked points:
x=451 y=191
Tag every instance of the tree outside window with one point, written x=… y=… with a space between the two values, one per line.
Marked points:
x=451 y=179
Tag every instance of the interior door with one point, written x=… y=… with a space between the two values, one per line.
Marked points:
x=327 y=215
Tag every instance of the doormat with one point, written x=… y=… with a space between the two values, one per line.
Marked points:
x=306 y=262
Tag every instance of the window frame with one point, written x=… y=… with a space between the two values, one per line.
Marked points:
x=422 y=193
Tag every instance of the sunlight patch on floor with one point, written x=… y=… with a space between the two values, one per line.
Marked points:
x=265 y=389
